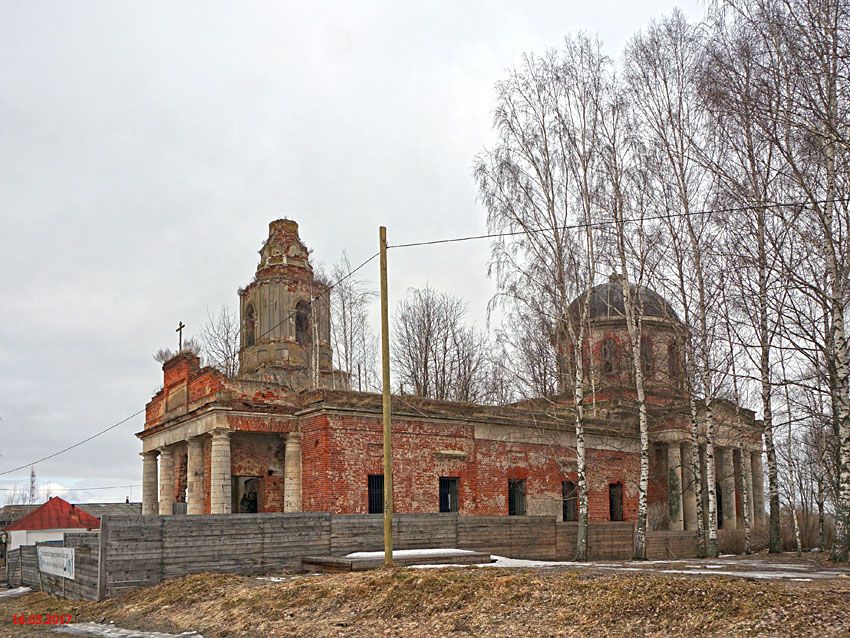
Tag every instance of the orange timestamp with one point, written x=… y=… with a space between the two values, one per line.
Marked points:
x=42 y=619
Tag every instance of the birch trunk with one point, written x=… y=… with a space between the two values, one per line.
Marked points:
x=705 y=362
x=774 y=544
x=841 y=544
x=745 y=504
x=736 y=395
x=581 y=462
x=633 y=325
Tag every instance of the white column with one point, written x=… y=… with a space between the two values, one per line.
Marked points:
x=195 y=476
x=150 y=483
x=758 y=488
x=727 y=485
x=220 y=480
x=674 y=486
x=166 y=481
x=292 y=473
x=689 y=491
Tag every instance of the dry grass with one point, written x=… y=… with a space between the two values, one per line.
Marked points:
x=457 y=602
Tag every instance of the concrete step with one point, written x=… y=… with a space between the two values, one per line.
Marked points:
x=356 y=564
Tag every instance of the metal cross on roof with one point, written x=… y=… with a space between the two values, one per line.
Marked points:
x=179 y=332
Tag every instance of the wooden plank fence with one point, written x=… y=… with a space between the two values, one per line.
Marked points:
x=671 y=545
x=137 y=551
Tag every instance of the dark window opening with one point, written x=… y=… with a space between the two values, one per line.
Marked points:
x=615 y=501
x=516 y=497
x=448 y=493
x=302 y=322
x=609 y=356
x=376 y=493
x=570 y=496
x=183 y=474
x=718 y=495
x=646 y=358
x=673 y=368
x=249 y=325
x=245 y=494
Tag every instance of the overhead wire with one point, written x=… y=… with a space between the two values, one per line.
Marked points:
x=608 y=222
x=79 y=489
x=313 y=299
x=579 y=225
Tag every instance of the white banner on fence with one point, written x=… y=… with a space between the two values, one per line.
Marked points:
x=56 y=560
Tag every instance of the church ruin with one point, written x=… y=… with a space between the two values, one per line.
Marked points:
x=287 y=435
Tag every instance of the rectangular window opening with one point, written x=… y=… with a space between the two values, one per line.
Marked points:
x=448 y=493
x=376 y=493
x=570 y=496
x=516 y=497
x=615 y=501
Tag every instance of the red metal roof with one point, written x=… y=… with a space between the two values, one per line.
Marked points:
x=56 y=513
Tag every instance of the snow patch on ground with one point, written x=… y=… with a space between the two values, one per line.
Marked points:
x=503 y=561
x=17 y=591
x=276 y=579
x=111 y=631
x=756 y=575
x=748 y=568
x=410 y=553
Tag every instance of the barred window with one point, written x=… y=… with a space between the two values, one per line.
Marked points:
x=448 y=493
x=516 y=497
x=376 y=493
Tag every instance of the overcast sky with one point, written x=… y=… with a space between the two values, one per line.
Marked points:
x=144 y=147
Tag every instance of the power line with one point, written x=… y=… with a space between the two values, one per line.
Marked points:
x=137 y=413
x=77 y=489
x=608 y=222
x=75 y=445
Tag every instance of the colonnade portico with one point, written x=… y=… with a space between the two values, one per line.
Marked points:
x=166 y=481
x=160 y=474
x=735 y=469
x=195 y=476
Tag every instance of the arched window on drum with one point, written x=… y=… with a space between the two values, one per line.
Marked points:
x=608 y=353
x=250 y=325
x=302 y=322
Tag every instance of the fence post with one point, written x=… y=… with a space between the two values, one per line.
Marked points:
x=101 y=558
x=38 y=569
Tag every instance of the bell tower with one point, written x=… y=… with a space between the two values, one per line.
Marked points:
x=285 y=317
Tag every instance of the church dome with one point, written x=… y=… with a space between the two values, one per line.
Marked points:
x=606 y=301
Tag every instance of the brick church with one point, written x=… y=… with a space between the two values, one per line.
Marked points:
x=287 y=435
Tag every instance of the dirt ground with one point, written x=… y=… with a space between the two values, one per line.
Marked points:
x=680 y=598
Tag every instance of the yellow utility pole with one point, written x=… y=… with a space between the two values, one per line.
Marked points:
x=385 y=370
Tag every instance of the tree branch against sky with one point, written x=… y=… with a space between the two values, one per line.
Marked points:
x=539 y=179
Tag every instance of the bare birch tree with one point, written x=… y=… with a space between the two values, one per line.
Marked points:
x=434 y=353
x=538 y=185
x=806 y=114
x=354 y=343
x=627 y=199
x=748 y=176
x=220 y=341
x=662 y=69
